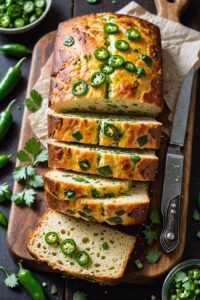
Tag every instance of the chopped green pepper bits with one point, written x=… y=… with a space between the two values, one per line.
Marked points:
x=95 y=193
x=105 y=170
x=135 y=158
x=105 y=246
x=70 y=193
x=120 y=212
x=142 y=140
x=69 y=41
x=84 y=165
x=117 y=220
x=111 y=28
x=138 y=264
x=140 y=72
x=77 y=135
x=147 y=59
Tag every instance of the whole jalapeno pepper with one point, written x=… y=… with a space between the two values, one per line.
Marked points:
x=5 y=120
x=4 y=159
x=31 y=284
x=10 y=80
x=14 y=49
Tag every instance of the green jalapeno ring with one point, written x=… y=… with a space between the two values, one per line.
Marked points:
x=82 y=258
x=115 y=61
x=5 y=21
x=84 y=165
x=14 y=11
x=28 y=7
x=105 y=68
x=79 y=88
x=133 y=34
x=111 y=131
x=68 y=246
x=111 y=28
x=69 y=41
x=140 y=72
x=97 y=79
x=122 y=45
x=40 y=3
x=101 y=53
x=129 y=66
x=51 y=238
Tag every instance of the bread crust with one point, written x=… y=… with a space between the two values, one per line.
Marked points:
x=127 y=93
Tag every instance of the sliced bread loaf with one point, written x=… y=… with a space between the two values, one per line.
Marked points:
x=108 y=249
x=114 y=131
x=70 y=185
x=127 y=209
x=122 y=164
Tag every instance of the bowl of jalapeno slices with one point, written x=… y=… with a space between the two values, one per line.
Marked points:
x=18 y=16
x=183 y=282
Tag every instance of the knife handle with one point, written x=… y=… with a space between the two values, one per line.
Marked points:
x=169 y=237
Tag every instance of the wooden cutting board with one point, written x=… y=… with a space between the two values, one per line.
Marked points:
x=23 y=219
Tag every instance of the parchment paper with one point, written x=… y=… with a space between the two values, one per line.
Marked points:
x=180 y=51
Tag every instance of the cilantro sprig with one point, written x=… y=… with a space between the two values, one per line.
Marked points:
x=79 y=296
x=30 y=155
x=11 y=279
x=34 y=102
x=5 y=193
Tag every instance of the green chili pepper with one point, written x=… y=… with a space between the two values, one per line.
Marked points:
x=84 y=165
x=129 y=66
x=105 y=170
x=97 y=79
x=133 y=34
x=147 y=59
x=111 y=28
x=101 y=53
x=122 y=45
x=115 y=61
x=4 y=159
x=68 y=246
x=70 y=193
x=13 y=49
x=51 y=238
x=198 y=201
x=14 y=11
x=79 y=88
x=31 y=284
x=111 y=131
x=3 y=220
x=33 y=18
x=106 y=69
x=10 y=80
x=5 y=120
x=140 y=72
x=82 y=258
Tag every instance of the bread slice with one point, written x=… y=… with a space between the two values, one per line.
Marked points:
x=122 y=164
x=70 y=185
x=128 y=209
x=106 y=266
x=114 y=131
x=124 y=92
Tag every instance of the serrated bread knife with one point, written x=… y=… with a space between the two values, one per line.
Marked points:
x=170 y=205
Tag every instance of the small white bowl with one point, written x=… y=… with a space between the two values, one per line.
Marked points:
x=29 y=26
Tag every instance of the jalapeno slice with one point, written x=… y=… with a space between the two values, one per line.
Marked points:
x=19 y=23
x=70 y=193
x=77 y=135
x=111 y=28
x=115 y=61
x=140 y=72
x=69 y=41
x=79 y=88
x=40 y=3
x=82 y=258
x=14 y=11
x=122 y=45
x=97 y=79
x=84 y=165
x=5 y=21
x=111 y=131
x=147 y=59
x=106 y=69
x=101 y=53
x=105 y=170
x=129 y=66
x=133 y=34
x=68 y=246
x=51 y=238
x=28 y=7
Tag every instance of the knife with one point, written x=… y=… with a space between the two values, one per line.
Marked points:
x=170 y=204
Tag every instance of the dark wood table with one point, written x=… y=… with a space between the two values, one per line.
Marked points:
x=60 y=11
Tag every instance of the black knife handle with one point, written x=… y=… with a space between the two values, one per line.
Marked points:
x=169 y=237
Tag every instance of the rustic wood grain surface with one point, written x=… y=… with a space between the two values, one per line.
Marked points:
x=61 y=11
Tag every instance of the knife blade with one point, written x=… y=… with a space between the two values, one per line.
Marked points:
x=170 y=203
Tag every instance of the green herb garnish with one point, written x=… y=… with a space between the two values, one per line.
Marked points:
x=11 y=280
x=34 y=102
x=5 y=193
x=153 y=257
x=105 y=246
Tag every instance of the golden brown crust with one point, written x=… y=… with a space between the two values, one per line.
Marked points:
x=127 y=93
x=122 y=165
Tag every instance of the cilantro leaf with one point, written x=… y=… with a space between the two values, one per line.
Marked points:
x=54 y=290
x=41 y=157
x=32 y=146
x=150 y=236
x=23 y=156
x=29 y=197
x=180 y=276
x=5 y=193
x=18 y=198
x=19 y=173
x=153 y=257
x=36 y=181
x=30 y=170
x=34 y=102
x=155 y=217
x=196 y=215
x=79 y=296
x=11 y=281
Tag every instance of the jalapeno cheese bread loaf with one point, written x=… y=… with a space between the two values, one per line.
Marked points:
x=70 y=186
x=127 y=209
x=122 y=164
x=115 y=131
x=89 y=251
x=107 y=63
